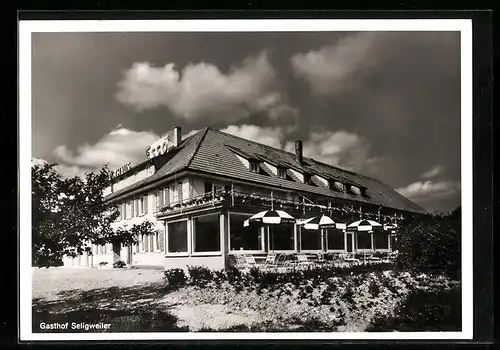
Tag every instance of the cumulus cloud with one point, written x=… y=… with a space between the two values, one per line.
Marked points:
x=340 y=148
x=425 y=190
x=115 y=148
x=266 y=135
x=333 y=69
x=203 y=91
x=433 y=172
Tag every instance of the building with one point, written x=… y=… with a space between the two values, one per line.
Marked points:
x=199 y=191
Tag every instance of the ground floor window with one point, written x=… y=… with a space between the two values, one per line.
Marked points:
x=364 y=240
x=243 y=238
x=310 y=239
x=177 y=237
x=206 y=233
x=335 y=239
x=281 y=237
x=381 y=240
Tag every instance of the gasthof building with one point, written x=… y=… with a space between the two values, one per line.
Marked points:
x=198 y=191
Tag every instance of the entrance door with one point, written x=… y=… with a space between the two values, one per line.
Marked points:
x=116 y=251
x=349 y=244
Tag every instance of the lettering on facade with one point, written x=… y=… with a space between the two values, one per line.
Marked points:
x=121 y=170
x=158 y=148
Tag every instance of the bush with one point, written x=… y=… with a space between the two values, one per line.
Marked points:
x=175 y=278
x=103 y=263
x=200 y=275
x=119 y=264
x=424 y=310
x=431 y=245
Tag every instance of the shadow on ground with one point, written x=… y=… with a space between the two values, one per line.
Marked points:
x=129 y=309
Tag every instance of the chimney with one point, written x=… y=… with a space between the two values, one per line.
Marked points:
x=298 y=151
x=177 y=136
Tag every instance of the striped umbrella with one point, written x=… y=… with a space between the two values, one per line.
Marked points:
x=364 y=225
x=317 y=222
x=270 y=217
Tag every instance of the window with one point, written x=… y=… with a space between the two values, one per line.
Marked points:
x=132 y=209
x=143 y=205
x=364 y=240
x=136 y=205
x=157 y=240
x=145 y=240
x=282 y=173
x=310 y=239
x=244 y=238
x=281 y=237
x=120 y=214
x=254 y=166
x=177 y=237
x=166 y=196
x=151 y=239
x=308 y=179
x=206 y=233
x=177 y=193
x=335 y=239
x=208 y=186
x=159 y=199
x=381 y=239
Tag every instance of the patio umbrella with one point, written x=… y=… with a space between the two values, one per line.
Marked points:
x=364 y=225
x=317 y=222
x=270 y=217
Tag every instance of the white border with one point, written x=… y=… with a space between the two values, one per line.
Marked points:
x=26 y=28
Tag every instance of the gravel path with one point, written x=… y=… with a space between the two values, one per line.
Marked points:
x=47 y=283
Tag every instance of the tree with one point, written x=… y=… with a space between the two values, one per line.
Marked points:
x=431 y=244
x=70 y=214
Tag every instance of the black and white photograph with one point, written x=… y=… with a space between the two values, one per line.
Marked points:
x=246 y=179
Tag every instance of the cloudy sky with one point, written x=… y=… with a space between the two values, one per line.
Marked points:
x=386 y=105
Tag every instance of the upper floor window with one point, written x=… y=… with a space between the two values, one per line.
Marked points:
x=143 y=205
x=282 y=173
x=159 y=199
x=254 y=166
x=307 y=179
x=208 y=186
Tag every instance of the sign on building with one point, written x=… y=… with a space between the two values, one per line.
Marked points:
x=121 y=170
x=158 y=148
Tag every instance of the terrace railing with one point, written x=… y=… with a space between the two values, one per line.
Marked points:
x=230 y=198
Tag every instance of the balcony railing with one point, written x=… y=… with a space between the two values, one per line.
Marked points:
x=229 y=198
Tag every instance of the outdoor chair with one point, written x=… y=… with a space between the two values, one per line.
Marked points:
x=351 y=259
x=250 y=261
x=239 y=261
x=271 y=262
x=303 y=261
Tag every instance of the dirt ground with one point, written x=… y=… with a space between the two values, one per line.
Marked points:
x=47 y=283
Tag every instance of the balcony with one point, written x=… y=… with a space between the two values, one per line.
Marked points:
x=230 y=199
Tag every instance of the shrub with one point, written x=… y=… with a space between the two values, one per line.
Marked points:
x=199 y=275
x=103 y=263
x=175 y=278
x=431 y=245
x=374 y=288
x=424 y=310
x=119 y=264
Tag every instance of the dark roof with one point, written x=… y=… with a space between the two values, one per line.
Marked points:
x=214 y=152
